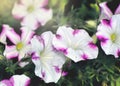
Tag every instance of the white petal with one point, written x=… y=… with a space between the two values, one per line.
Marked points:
x=10 y=52
x=26 y=35
x=19 y=11
x=105 y=11
x=13 y=36
x=115 y=22
x=91 y=51
x=30 y=21
x=63 y=38
x=20 y=80
x=43 y=15
x=49 y=68
x=37 y=44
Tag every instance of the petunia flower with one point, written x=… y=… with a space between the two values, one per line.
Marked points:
x=5 y=28
x=16 y=80
x=21 y=44
x=109 y=35
x=32 y=13
x=75 y=44
x=106 y=13
x=48 y=62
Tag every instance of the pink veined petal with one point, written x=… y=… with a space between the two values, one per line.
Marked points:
x=5 y=28
x=37 y=44
x=110 y=49
x=10 y=52
x=49 y=69
x=91 y=51
x=20 y=80
x=26 y=35
x=62 y=40
x=30 y=21
x=5 y=83
x=19 y=11
x=43 y=15
x=117 y=11
x=105 y=11
x=13 y=36
x=74 y=55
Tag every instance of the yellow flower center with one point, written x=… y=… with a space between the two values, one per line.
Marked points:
x=30 y=8
x=113 y=37
x=19 y=46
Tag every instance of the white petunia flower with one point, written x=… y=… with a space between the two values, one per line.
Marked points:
x=75 y=44
x=16 y=80
x=32 y=13
x=109 y=35
x=21 y=44
x=48 y=62
x=106 y=13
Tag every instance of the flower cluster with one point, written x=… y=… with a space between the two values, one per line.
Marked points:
x=49 y=51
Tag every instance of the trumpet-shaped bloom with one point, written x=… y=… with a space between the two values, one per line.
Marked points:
x=16 y=80
x=109 y=35
x=5 y=28
x=48 y=62
x=106 y=13
x=32 y=13
x=21 y=44
x=75 y=44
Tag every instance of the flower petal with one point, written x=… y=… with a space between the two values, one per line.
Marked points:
x=62 y=40
x=13 y=36
x=19 y=11
x=105 y=11
x=10 y=52
x=30 y=21
x=26 y=34
x=43 y=15
x=49 y=68
x=20 y=80
x=37 y=44
x=117 y=11
x=5 y=83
